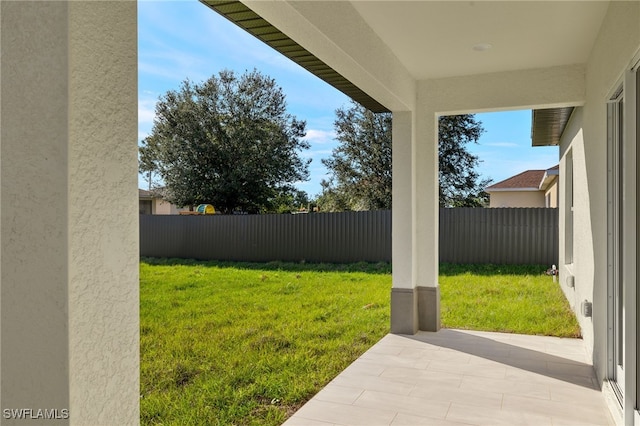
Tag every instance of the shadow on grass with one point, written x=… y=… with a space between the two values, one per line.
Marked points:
x=446 y=269
x=451 y=269
x=382 y=268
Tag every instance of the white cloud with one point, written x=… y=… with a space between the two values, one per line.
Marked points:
x=320 y=137
x=502 y=144
x=316 y=154
x=146 y=112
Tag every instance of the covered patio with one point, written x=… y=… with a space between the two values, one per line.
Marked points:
x=69 y=282
x=462 y=377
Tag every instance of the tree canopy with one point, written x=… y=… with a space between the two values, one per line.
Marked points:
x=460 y=184
x=360 y=165
x=228 y=141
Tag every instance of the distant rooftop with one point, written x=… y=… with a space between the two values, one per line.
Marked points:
x=529 y=180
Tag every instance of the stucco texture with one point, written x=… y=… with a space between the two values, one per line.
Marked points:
x=69 y=216
x=103 y=242
x=586 y=140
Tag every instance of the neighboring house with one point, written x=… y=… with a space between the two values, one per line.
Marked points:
x=531 y=188
x=152 y=203
x=70 y=307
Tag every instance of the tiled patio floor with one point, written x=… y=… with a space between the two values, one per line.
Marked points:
x=459 y=377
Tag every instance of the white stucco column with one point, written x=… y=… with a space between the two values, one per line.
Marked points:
x=415 y=297
x=426 y=248
x=404 y=301
x=68 y=212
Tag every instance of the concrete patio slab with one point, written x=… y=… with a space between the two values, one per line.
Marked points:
x=462 y=377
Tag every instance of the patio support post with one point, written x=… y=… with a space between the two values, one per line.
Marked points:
x=404 y=300
x=69 y=255
x=426 y=213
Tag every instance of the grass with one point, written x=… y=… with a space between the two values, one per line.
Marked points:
x=248 y=344
x=506 y=298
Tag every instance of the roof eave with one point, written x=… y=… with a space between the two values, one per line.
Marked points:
x=548 y=125
x=254 y=24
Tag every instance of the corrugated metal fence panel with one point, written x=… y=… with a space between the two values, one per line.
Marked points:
x=526 y=236
x=506 y=236
x=322 y=237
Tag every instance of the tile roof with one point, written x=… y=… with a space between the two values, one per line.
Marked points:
x=529 y=179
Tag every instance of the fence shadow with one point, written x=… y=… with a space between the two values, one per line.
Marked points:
x=452 y=269
x=382 y=268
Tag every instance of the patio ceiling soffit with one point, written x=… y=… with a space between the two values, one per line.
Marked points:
x=547 y=125
x=245 y=18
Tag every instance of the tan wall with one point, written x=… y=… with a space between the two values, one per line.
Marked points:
x=69 y=269
x=553 y=194
x=517 y=199
x=103 y=274
x=164 y=207
x=34 y=278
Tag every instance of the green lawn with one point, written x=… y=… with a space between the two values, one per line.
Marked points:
x=507 y=298
x=248 y=344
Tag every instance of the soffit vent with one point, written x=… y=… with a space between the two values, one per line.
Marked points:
x=547 y=125
x=245 y=18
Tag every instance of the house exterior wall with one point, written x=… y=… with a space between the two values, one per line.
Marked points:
x=585 y=141
x=69 y=276
x=517 y=199
x=552 y=195
x=580 y=238
x=161 y=206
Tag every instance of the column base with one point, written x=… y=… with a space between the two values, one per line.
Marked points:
x=414 y=309
x=429 y=308
x=404 y=311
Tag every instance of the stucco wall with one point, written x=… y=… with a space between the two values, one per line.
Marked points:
x=517 y=199
x=103 y=243
x=580 y=265
x=552 y=194
x=618 y=41
x=69 y=269
x=34 y=246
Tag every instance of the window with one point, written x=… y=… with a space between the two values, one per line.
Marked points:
x=568 y=211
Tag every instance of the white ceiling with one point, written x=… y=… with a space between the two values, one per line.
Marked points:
x=435 y=39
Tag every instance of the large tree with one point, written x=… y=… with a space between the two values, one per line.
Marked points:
x=361 y=164
x=460 y=184
x=228 y=141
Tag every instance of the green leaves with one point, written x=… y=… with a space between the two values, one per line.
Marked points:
x=361 y=164
x=459 y=181
x=228 y=142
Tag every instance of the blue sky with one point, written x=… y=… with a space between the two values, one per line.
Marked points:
x=185 y=39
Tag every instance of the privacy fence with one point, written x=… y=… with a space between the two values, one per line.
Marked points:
x=523 y=236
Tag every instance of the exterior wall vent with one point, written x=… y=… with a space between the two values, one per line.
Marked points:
x=586 y=308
